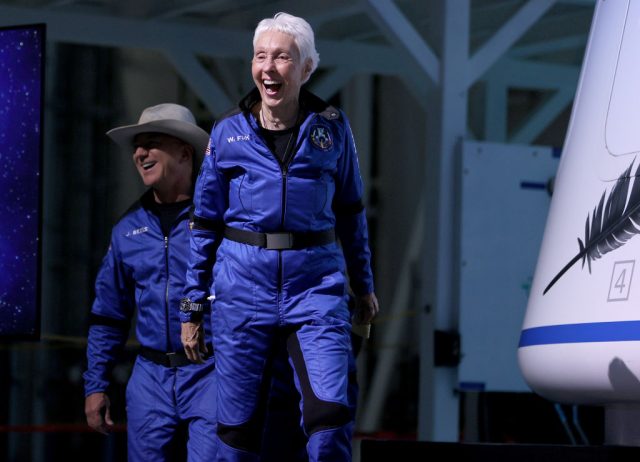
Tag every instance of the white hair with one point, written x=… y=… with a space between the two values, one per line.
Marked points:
x=296 y=27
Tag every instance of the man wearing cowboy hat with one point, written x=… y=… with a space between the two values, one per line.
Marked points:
x=143 y=274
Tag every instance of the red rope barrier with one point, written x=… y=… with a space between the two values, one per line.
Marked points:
x=57 y=428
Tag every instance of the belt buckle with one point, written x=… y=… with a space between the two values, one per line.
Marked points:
x=172 y=359
x=279 y=241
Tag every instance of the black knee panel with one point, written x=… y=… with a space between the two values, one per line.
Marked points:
x=317 y=414
x=247 y=436
x=321 y=415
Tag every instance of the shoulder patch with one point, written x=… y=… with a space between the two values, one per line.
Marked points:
x=320 y=137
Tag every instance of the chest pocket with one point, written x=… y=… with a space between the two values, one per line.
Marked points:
x=255 y=191
x=241 y=190
x=311 y=177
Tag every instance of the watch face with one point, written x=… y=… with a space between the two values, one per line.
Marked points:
x=185 y=305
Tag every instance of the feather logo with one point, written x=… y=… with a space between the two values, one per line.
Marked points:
x=613 y=223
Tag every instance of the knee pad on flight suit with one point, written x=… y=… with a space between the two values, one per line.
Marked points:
x=317 y=414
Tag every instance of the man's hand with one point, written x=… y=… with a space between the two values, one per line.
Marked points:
x=96 y=408
x=366 y=309
x=192 y=337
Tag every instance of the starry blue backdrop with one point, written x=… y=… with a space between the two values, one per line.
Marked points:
x=21 y=74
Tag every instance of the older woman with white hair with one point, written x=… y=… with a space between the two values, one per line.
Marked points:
x=279 y=186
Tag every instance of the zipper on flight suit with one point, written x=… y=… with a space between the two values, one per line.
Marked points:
x=167 y=301
x=166 y=308
x=166 y=292
x=284 y=171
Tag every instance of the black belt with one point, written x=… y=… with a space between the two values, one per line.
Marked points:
x=281 y=241
x=176 y=359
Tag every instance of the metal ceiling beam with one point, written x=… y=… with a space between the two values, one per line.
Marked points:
x=589 y=3
x=511 y=73
x=576 y=42
x=199 y=80
x=59 y=3
x=527 y=74
x=400 y=30
x=327 y=15
x=102 y=30
x=214 y=42
x=543 y=116
x=372 y=59
x=504 y=39
x=236 y=77
x=330 y=83
x=190 y=7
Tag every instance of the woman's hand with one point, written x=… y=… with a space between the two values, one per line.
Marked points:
x=97 y=409
x=366 y=308
x=192 y=336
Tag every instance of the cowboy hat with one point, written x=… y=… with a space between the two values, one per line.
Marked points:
x=169 y=119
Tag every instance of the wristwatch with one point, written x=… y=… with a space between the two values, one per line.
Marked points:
x=187 y=306
x=190 y=311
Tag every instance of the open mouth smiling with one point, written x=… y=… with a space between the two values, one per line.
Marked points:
x=271 y=86
x=149 y=164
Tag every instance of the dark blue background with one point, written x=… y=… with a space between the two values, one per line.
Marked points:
x=21 y=74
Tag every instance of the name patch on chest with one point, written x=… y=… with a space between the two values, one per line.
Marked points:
x=234 y=139
x=137 y=231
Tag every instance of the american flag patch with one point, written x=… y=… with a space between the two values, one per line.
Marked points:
x=208 y=150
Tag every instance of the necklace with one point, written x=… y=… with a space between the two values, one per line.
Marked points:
x=280 y=143
x=286 y=150
x=276 y=123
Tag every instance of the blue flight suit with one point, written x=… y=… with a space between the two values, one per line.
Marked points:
x=263 y=294
x=143 y=275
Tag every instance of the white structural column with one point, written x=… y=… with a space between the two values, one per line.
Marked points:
x=439 y=407
x=439 y=404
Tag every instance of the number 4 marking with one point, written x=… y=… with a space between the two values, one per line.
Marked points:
x=620 y=285
x=621 y=280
